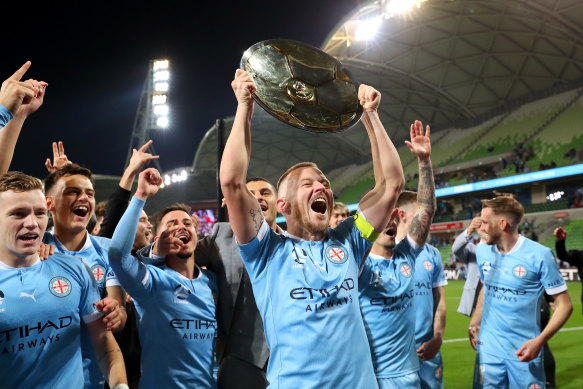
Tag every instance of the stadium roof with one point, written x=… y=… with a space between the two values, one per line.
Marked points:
x=445 y=63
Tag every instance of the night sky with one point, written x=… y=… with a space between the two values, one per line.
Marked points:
x=96 y=60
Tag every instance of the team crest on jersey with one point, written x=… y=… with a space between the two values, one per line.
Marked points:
x=60 y=286
x=405 y=270
x=519 y=271
x=535 y=386
x=336 y=254
x=428 y=265
x=98 y=273
x=438 y=373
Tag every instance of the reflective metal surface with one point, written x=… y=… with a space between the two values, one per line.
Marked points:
x=302 y=85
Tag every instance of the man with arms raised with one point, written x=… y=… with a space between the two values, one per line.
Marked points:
x=387 y=286
x=42 y=303
x=175 y=302
x=305 y=280
x=505 y=326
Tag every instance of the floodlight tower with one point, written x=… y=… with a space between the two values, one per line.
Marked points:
x=153 y=107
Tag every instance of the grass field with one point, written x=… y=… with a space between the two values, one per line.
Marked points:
x=458 y=355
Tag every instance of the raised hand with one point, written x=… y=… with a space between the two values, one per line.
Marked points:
x=369 y=98
x=560 y=234
x=140 y=158
x=420 y=144
x=167 y=244
x=59 y=158
x=36 y=101
x=149 y=182
x=244 y=87
x=14 y=92
x=474 y=225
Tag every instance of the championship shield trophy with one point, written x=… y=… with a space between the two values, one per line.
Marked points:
x=302 y=86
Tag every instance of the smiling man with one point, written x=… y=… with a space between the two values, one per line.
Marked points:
x=305 y=280
x=71 y=201
x=42 y=304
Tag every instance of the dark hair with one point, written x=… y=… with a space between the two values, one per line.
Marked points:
x=157 y=218
x=71 y=169
x=257 y=179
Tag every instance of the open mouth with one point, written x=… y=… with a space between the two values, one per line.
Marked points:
x=319 y=205
x=184 y=237
x=263 y=206
x=29 y=238
x=391 y=231
x=81 y=210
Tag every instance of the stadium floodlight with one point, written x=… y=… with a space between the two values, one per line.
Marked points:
x=161 y=87
x=161 y=75
x=161 y=110
x=367 y=29
x=163 y=122
x=398 y=7
x=160 y=64
x=159 y=99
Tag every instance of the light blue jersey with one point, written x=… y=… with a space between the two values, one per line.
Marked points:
x=386 y=291
x=41 y=308
x=307 y=295
x=94 y=254
x=513 y=285
x=428 y=275
x=177 y=324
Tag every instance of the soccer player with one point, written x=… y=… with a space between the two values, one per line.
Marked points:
x=43 y=303
x=386 y=284
x=305 y=280
x=71 y=200
x=505 y=327
x=572 y=257
x=175 y=303
x=339 y=213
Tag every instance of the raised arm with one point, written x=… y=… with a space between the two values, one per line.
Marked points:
x=463 y=246
x=244 y=210
x=377 y=205
x=18 y=99
x=420 y=145
x=128 y=269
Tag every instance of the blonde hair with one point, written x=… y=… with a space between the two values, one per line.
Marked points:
x=506 y=206
x=19 y=182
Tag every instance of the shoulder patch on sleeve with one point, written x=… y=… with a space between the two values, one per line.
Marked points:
x=366 y=230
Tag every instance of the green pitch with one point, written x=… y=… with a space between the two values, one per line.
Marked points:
x=458 y=355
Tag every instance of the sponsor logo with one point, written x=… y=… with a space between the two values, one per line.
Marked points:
x=60 y=286
x=304 y=293
x=31 y=296
x=486 y=267
x=35 y=329
x=519 y=271
x=98 y=273
x=501 y=289
x=336 y=254
x=428 y=265
x=181 y=292
x=405 y=270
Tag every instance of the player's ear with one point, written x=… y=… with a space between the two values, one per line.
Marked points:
x=281 y=205
x=50 y=202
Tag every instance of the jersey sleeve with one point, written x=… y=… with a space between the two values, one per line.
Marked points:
x=89 y=295
x=551 y=277
x=256 y=253
x=360 y=234
x=133 y=275
x=438 y=276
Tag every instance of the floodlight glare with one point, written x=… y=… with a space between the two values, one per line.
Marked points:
x=159 y=99
x=161 y=87
x=367 y=29
x=161 y=110
x=160 y=64
x=398 y=7
x=162 y=121
x=161 y=75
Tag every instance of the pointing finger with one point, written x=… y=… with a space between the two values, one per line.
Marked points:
x=20 y=72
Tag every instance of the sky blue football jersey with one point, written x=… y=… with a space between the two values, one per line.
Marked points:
x=307 y=295
x=177 y=323
x=428 y=275
x=387 y=291
x=513 y=285
x=94 y=253
x=41 y=309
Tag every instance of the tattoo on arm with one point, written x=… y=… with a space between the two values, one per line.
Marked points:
x=426 y=200
x=107 y=352
x=257 y=218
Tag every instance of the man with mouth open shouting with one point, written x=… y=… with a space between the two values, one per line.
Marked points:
x=386 y=284
x=305 y=280
x=175 y=302
x=71 y=200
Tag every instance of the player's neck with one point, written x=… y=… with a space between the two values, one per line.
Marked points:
x=16 y=261
x=72 y=240
x=185 y=267
x=304 y=233
x=507 y=242
x=382 y=251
